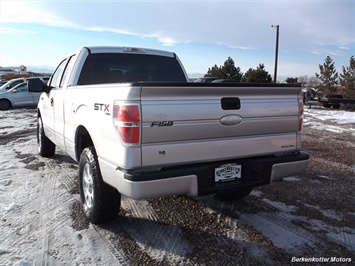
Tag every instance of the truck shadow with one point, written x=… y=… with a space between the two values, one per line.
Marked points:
x=157 y=242
x=193 y=235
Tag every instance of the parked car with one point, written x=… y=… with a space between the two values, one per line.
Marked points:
x=225 y=81
x=18 y=96
x=2 y=82
x=13 y=82
x=205 y=79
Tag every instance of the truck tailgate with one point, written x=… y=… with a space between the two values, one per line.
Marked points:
x=193 y=123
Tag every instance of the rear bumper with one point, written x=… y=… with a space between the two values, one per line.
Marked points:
x=199 y=179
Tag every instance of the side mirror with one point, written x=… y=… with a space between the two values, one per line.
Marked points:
x=36 y=85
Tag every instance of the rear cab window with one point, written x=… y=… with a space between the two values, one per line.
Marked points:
x=118 y=67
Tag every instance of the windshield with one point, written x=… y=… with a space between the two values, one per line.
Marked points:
x=115 y=67
x=6 y=85
x=10 y=84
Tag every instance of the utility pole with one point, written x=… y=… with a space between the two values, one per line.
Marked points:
x=276 y=50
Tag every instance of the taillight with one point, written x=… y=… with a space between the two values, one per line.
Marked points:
x=126 y=119
x=300 y=116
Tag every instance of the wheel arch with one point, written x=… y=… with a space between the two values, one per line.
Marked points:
x=82 y=141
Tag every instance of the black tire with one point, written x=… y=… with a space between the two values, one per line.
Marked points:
x=5 y=104
x=336 y=106
x=326 y=105
x=46 y=148
x=101 y=202
x=234 y=195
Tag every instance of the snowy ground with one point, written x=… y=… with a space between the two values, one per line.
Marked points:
x=316 y=118
x=40 y=226
x=35 y=203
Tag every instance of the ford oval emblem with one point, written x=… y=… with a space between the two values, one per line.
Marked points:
x=231 y=120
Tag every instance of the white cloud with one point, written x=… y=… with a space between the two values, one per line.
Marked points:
x=27 y=12
x=6 y=30
x=237 y=24
x=112 y=30
x=329 y=51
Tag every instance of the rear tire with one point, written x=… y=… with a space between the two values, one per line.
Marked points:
x=101 y=202
x=46 y=148
x=234 y=195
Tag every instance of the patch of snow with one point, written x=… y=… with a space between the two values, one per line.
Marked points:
x=281 y=206
x=292 y=179
x=315 y=118
x=326 y=177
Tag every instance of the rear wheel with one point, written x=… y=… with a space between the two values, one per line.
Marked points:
x=101 y=202
x=5 y=104
x=234 y=195
x=46 y=147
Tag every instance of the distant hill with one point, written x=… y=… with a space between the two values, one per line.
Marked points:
x=41 y=69
x=36 y=69
x=195 y=75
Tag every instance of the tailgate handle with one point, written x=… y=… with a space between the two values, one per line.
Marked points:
x=230 y=103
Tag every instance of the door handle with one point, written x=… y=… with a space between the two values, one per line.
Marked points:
x=232 y=103
x=52 y=101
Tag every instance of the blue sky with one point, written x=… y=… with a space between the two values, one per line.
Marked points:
x=202 y=33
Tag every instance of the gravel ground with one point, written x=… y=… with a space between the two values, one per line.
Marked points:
x=319 y=206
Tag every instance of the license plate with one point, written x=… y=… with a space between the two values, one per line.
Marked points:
x=227 y=172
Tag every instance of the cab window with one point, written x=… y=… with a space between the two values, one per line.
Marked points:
x=21 y=88
x=15 y=83
x=66 y=71
x=58 y=74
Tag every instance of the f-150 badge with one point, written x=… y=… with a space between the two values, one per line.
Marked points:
x=161 y=124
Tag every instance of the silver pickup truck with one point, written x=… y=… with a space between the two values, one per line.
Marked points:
x=137 y=127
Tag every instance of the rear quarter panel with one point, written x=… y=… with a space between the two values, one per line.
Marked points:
x=94 y=113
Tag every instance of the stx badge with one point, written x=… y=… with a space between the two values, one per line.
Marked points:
x=101 y=107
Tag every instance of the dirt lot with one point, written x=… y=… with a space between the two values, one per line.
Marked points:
x=311 y=217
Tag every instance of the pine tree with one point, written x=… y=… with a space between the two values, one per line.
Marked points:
x=292 y=80
x=328 y=76
x=227 y=71
x=347 y=79
x=214 y=71
x=258 y=75
x=230 y=71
